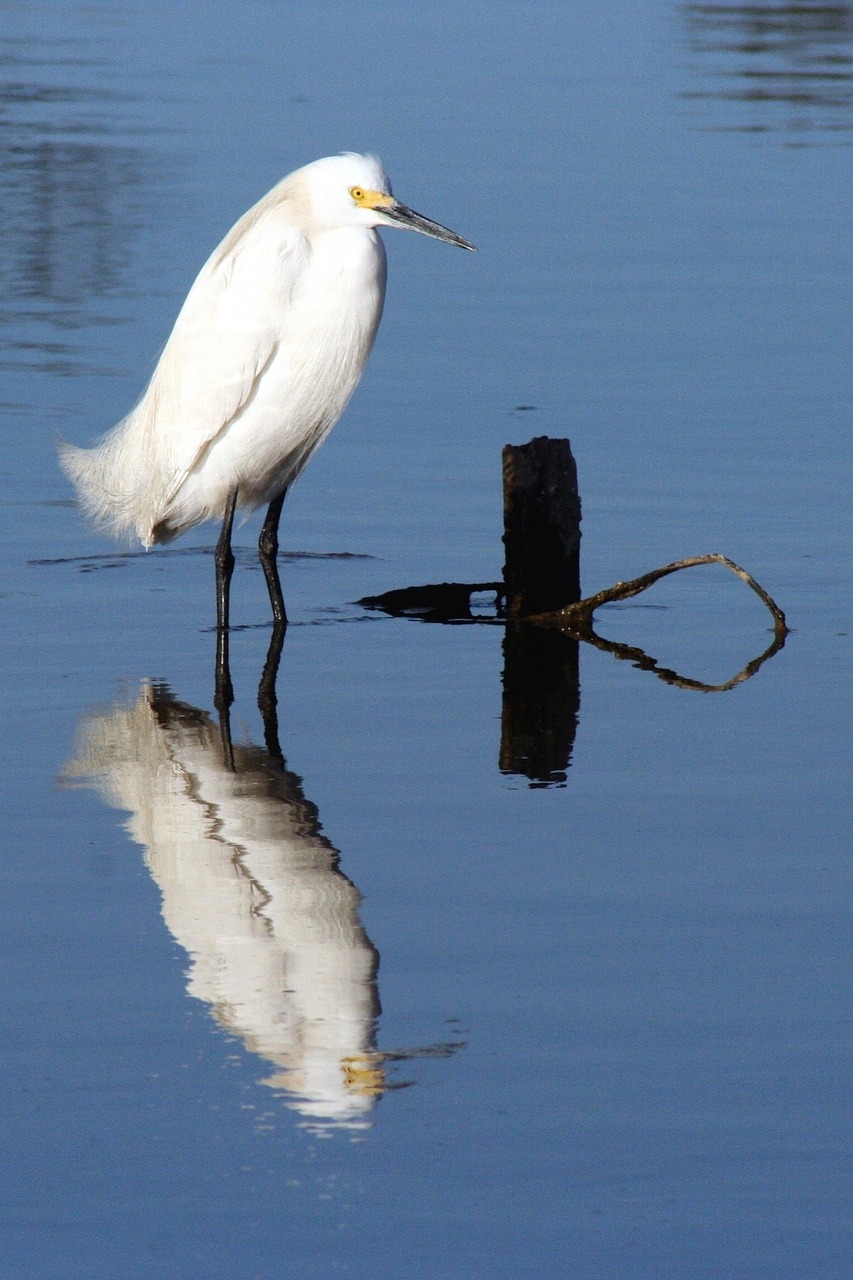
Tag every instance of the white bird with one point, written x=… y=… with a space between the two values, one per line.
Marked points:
x=264 y=355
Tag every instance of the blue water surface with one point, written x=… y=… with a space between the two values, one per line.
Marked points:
x=397 y=1001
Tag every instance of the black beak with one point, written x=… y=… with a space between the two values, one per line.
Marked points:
x=402 y=216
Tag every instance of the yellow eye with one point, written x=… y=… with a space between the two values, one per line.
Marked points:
x=356 y=193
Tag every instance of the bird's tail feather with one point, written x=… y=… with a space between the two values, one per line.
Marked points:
x=114 y=482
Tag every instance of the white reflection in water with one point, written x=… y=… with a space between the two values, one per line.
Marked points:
x=252 y=891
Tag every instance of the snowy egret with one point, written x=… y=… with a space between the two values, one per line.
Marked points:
x=264 y=355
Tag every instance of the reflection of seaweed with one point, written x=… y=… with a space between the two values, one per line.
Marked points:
x=641 y=660
x=576 y=621
x=773 y=54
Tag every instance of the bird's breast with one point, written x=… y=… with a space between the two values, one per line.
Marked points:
x=342 y=284
x=325 y=328
x=330 y=323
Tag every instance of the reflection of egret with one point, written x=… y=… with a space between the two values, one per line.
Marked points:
x=251 y=889
x=266 y=352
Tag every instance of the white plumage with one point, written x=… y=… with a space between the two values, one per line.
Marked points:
x=264 y=355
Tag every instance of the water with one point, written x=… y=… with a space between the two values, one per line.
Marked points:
x=389 y=1005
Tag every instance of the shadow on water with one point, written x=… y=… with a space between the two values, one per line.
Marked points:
x=787 y=68
x=252 y=890
x=244 y=556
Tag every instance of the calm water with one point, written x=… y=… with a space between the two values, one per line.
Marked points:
x=417 y=991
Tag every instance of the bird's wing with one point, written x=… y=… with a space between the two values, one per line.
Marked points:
x=225 y=337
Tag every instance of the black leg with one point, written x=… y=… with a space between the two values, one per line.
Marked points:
x=268 y=551
x=224 y=695
x=224 y=558
x=224 y=692
x=267 y=698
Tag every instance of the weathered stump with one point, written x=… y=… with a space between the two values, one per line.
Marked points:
x=542 y=514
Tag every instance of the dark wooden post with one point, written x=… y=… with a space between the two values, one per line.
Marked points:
x=542 y=513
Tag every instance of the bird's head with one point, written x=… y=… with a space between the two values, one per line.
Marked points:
x=353 y=190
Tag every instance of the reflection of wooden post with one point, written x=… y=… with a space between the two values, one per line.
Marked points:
x=541 y=700
x=542 y=514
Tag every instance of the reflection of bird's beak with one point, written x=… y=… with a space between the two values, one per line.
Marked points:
x=402 y=216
